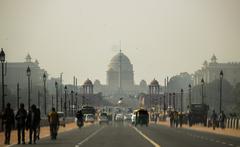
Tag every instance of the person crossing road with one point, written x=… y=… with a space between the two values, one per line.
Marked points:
x=53 y=120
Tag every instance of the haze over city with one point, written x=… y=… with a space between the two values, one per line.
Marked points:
x=161 y=38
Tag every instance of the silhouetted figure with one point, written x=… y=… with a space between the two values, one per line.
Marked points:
x=8 y=121
x=33 y=120
x=190 y=119
x=175 y=118
x=180 y=119
x=53 y=120
x=38 y=126
x=21 y=117
x=222 y=118
x=171 y=118
x=214 y=119
x=79 y=116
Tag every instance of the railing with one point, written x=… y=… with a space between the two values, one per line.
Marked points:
x=233 y=123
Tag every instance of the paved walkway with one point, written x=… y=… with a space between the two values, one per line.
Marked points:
x=44 y=133
x=229 y=132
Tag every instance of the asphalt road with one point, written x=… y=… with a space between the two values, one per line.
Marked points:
x=119 y=135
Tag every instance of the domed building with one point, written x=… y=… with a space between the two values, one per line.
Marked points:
x=120 y=78
x=120 y=73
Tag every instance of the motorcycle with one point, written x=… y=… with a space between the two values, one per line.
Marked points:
x=80 y=123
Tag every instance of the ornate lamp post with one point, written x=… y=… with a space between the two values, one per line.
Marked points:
x=181 y=101
x=190 y=95
x=56 y=86
x=2 y=58
x=174 y=101
x=28 y=75
x=202 y=83
x=65 y=100
x=45 y=95
x=221 y=79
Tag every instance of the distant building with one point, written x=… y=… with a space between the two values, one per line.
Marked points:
x=120 y=78
x=16 y=73
x=210 y=72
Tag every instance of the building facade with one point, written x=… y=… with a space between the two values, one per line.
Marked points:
x=210 y=72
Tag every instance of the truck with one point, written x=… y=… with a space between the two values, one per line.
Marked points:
x=198 y=114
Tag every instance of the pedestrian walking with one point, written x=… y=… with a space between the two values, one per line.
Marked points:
x=8 y=122
x=33 y=120
x=222 y=118
x=171 y=118
x=21 y=118
x=38 y=126
x=53 y=120
x=176 y=118
x=180 y=119
x=214 y=119
x=190 y=119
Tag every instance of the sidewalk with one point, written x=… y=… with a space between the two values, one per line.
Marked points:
x=45 y=132
x=227 y=131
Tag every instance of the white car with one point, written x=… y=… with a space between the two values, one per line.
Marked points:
x=119 y=117
x=89 y=118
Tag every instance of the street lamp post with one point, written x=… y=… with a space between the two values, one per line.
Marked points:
x=174 y=101
x=164 y=105
x=181 y=101
x=2 y=58
x=202 y=82
x=56 y=85
x=190 y=95
x=28 y=75
x=45 y=95
x=221 y=79
x=76 y=98
x=65 y=100
x=72 y=101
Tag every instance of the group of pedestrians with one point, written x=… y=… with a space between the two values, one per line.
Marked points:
x=29 y=121
x=218 y=120
x=176 y=119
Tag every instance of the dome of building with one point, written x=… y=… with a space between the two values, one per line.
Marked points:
x=154 y=82
x=97 y=82
x=214 y=59
x=88 y=82
x=143 y=83
x=125 y=63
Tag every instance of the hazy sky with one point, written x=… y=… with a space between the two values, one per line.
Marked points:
x=161 y=37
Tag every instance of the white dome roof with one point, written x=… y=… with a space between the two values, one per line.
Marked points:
x=125 y=63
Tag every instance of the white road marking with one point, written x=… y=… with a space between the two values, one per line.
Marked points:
x=89 y=137
x=230 y=144
x=147 y=138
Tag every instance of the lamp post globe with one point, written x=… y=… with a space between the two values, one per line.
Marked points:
x=2 y=55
